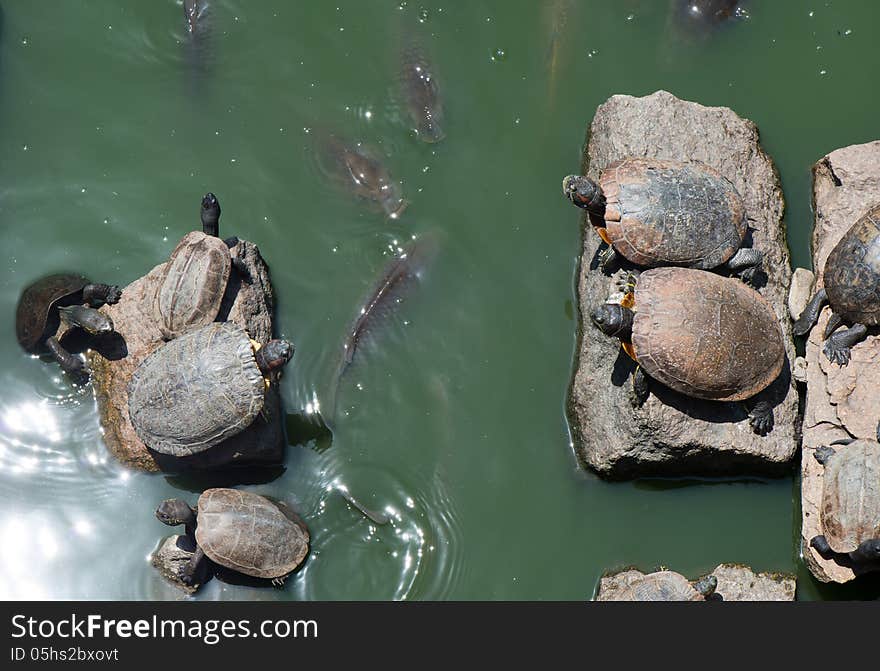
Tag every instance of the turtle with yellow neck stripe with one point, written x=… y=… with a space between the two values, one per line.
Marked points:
x=700 y=334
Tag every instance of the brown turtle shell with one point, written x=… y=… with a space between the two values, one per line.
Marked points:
x=662 y=212
x=659 y=586
x=196 y=390
x=704 y=335
x=195 y=280
x=852 y=272
x=850 y=510
x=36 y=317
x=250 y=533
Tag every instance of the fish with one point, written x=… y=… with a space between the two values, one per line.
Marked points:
x=356 y=171
x=421 y=93
x=193 y=13
x=373 y=515
x=399 y=275
x=197 y=45
x=703 y=14
x=556 y=15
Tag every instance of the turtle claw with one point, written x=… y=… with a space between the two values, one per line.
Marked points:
x=761 y=418
x=279 y=582
x=114 y=293
x=187 y=576
x=836 y=353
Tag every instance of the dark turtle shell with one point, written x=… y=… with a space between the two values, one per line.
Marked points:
x=850 y=511
x=196 y=390
x=250 y=533
x=36 y=317
x=192 y=288
x=852 y=272
x=705 y=335
x=661 y=212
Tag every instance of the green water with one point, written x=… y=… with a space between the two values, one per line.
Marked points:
x=453 y=416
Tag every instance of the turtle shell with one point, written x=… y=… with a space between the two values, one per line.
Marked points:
x=195 y=280
x=704 y=335
x=196 y=390
x=661 y=212
x=852 y=272
x=36 y=317
x=659 y=586
x=850 y=510
x=250 y=533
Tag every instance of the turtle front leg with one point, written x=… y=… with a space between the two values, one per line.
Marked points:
x=97 y=295
x=838 y=347
x=820 y=545
x=810 y=315
x=746 y=264
x=641 y=387
x=190 y=572
x=607 y=259
x=834 y=322
x=71 y=363
x=868 y=552
x=761 y=418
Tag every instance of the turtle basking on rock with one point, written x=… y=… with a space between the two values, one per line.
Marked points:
x=701 y=334
x=191 y=290
x=851 y=288
x=202 y=388
x=850 y=511
x=657 y=212
x=665 y=586
x=242 y=531
x=63 y=297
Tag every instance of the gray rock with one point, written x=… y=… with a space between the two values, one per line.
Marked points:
x=735 y=583
x=679 y=435
x=248 y=304
x=799 y=370
x=173 y=554
x=841 y=402
x=800 y=292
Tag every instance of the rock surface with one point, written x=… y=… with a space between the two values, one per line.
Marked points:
x=173 y=554
x=735 y=583
x=672 y=434
x=248 y=304
x=841 y=402
x=800 y=292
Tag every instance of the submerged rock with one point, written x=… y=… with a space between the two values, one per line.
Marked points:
x=672 y=433
x=735 y=583
x=842 y=402
x=248 y=304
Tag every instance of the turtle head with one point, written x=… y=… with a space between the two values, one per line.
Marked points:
x=211 y=215
x=706 y=586
x=613 y=319
x=869 y=551
x=585 y=193
x=274 y=354
x=89 y=319
x=174 y=512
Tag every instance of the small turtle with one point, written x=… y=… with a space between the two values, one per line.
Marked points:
x=850 y=512
x=852 y=288
x=202 y=388
x=701 y=334
x=67 y=297
x=657 y=212
x=191 y=290
x=242 y=531
x=666 y=586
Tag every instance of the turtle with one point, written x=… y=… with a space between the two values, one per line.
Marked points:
x=658 y=212
x=850 y=511
x=68 y=297
x=202 y=388
x=240 y=530
x=701 y=334
x=194 y=281
x=851 y=288
x=665 y=586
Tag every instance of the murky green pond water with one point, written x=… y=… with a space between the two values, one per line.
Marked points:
x=454 y=415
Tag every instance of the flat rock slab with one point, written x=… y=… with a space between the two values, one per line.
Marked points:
x=248 y=304
x=842 y=402
x=735 y=583
x=673 y=434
